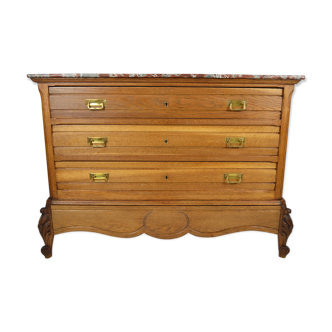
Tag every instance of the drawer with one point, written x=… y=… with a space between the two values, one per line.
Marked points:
x=165 y=103
x=143 y=142
x=165 y=180
x=165 y=221
x=149 y=136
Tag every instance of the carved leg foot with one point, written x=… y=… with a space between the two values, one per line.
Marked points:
x=45 y=227
x=285 y=230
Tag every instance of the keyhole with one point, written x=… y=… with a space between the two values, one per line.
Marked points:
x=166 y=103
x=166 y=177
x=166 y=141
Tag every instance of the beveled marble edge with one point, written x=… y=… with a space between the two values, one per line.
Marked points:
x=261 y=77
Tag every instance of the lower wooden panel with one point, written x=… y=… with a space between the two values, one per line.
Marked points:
x=165 y=222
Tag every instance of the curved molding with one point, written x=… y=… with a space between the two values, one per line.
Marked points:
x=187 y=218
x=234 y=230
x=183 y=232
x=145 y=217
x=98 y=230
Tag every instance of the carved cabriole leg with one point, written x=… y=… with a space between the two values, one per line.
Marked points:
x=285 y=230
x=45 y=227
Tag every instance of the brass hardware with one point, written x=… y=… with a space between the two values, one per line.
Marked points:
x=166 y=103
x=235 y=142
x=236 y=105
x=95 y=104
x=166 y=177
x=98 y=142
x=166 y=141
x=99 y=177
x=233 y=178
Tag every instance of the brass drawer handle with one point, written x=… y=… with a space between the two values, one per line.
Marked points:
x=99 y=177
x=95 y=104
x=98 y=142
x=236 y=105
x=235 y=142
x=233 y=178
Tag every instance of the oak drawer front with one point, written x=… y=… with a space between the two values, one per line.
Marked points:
x=165 y=103
x=165 y=181
x=171 y=139
x=144 y=142
x=164 y=221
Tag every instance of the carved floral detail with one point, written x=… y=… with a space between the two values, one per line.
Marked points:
x=285 y=229
x=45 y=227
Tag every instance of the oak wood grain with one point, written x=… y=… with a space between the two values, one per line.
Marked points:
x=43 y=90
x=199 y=122
x=288 y=91
x=167 y=114
x=178 y=195
x=157 y=102
x=165 y=139
x=163 y=186
x=173 y=175
x=163 y=165
x=103 y=203
x=165 y=222
x=166 y=154
x=168 y=128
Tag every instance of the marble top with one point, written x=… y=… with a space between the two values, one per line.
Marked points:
x=261 y=77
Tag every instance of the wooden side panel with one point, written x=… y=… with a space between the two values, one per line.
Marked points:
x=288 y=91
x=43 y=89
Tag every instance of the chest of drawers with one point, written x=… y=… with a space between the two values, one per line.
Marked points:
x=165 y=155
